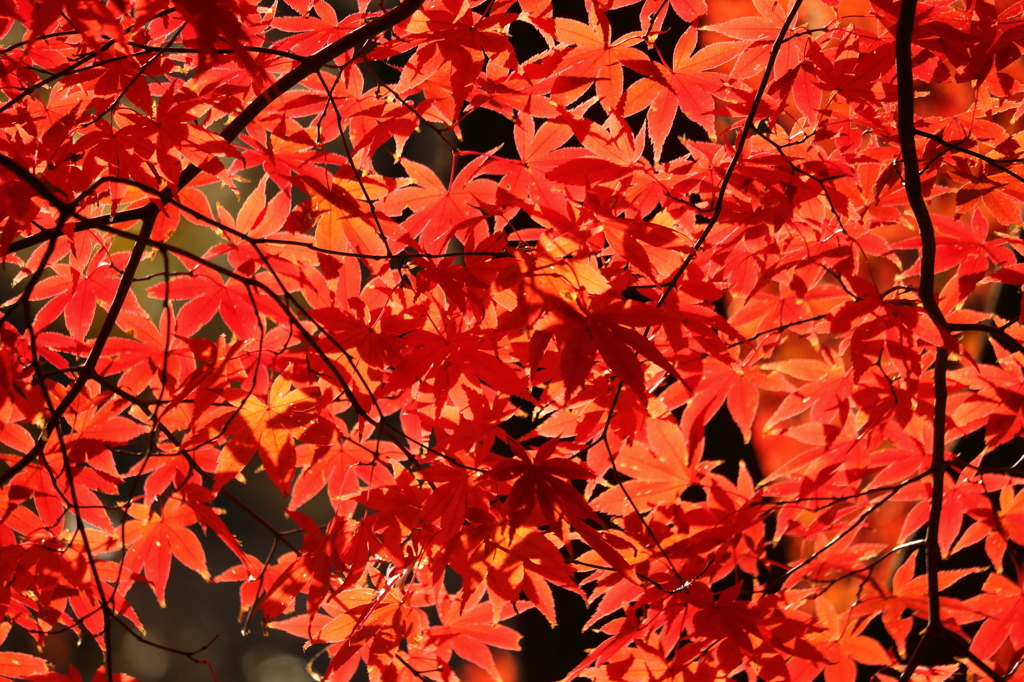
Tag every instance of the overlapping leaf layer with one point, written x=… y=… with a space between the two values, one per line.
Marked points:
x=499 y=365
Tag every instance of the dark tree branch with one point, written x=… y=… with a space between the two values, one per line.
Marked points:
x=748 y=128
x=911 y=167
x=149 y=212
x=306 y=67
x=32 y=181
x=996 y=163
x=933 y=555
x=106 y=329
x=965 y=650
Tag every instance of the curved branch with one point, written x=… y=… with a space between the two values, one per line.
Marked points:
x=306 y=67
x=149 y=212
x=906 y=132
x=32 y=181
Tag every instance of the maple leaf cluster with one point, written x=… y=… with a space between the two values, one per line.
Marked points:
x=499 y=369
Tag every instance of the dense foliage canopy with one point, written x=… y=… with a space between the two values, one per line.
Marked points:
x=480 y=273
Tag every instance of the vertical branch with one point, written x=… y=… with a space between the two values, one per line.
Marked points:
x=926 y=292
x=72 y=502
x=933 y=556
x=908 y=151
